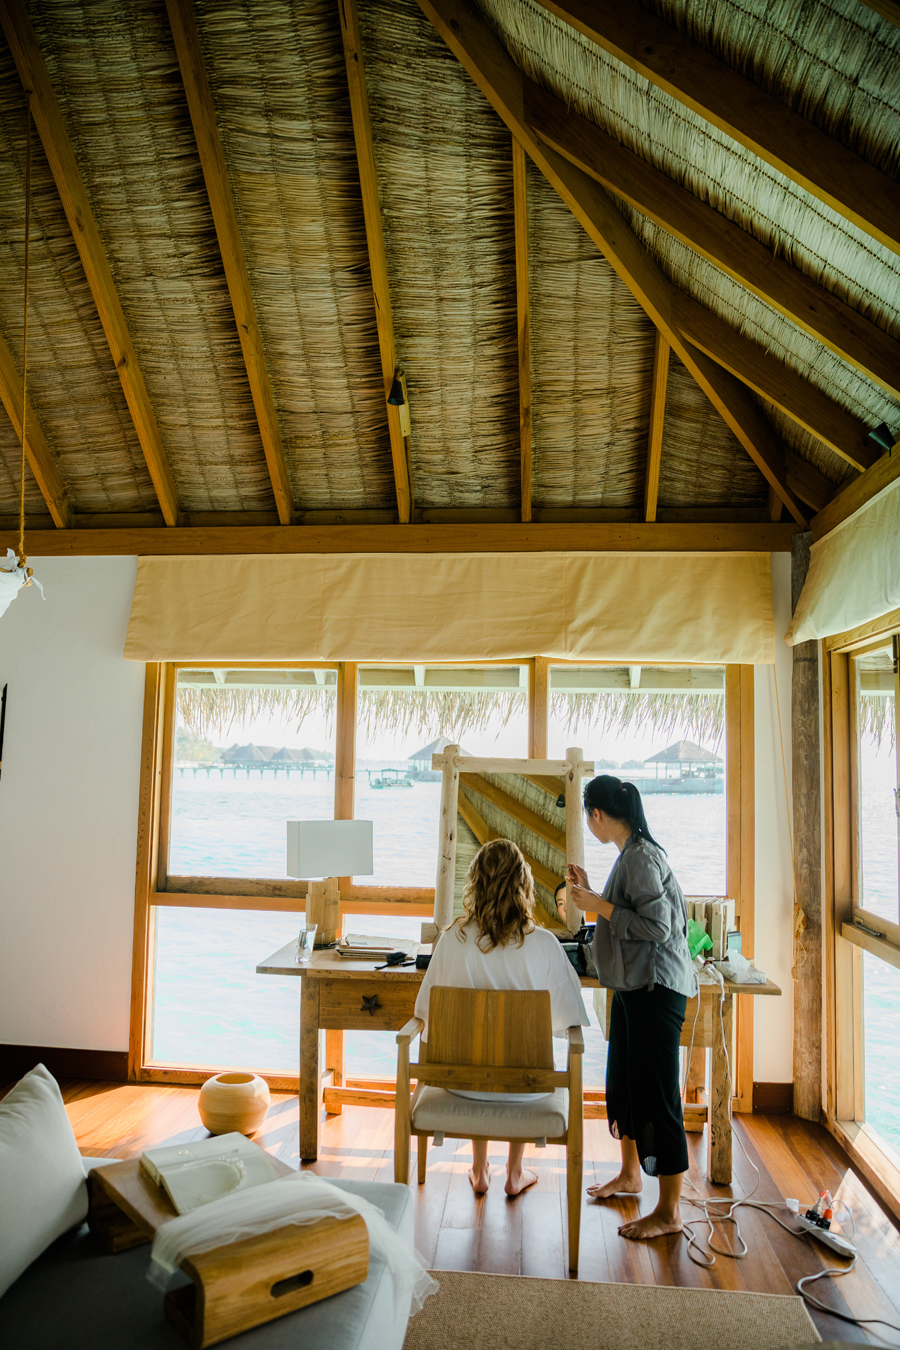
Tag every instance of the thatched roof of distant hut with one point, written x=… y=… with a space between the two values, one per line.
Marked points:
x=248 y=754
x=443 y=165
x=684 y=752
x=437 y=748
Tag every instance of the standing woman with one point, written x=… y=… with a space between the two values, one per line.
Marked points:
x=641 y=952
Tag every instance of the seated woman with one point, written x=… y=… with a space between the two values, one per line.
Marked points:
x=495 y=944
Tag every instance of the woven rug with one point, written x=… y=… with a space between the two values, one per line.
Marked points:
x=511 y=1312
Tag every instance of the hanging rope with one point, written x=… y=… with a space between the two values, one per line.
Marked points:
x=23 y=558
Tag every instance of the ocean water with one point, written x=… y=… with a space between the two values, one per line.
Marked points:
x=210 y=1006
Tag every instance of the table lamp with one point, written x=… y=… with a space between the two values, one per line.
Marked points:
x=328 y=849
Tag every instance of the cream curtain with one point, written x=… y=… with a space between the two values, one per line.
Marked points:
x=854 y=572
x=638 y=607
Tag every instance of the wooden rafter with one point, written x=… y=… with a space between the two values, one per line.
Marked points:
x=721 y=241
x=499 y=79
x=754 y=537
x=58 y=148
x=658 y=386
x=807 y=482
x=365 y=155
x=516 y=810
x=212 y=159
x=857 y=493
x=745 y=112
x=37 y=451
x=763 y=372
x=520 y=211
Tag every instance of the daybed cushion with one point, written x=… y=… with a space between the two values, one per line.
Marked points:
x=42 y=1184
x=76 y=1295
x=461 y=1117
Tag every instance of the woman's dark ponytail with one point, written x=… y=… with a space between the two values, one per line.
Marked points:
x=620 y=800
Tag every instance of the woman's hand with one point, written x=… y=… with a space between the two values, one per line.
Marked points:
x=577 y=876
x=587 y=899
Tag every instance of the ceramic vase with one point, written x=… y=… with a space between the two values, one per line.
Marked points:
x=234 y=1101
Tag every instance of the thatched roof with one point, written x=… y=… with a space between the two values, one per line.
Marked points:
x=684 y=752
x=289 y=134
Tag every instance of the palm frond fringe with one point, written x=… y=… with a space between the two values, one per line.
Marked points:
x=699 y=717
x=875 y=718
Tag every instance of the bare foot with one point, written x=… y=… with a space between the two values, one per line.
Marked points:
x=624 y=1184
x=651 y=1226
x=480 y=1180
x=516 y=1184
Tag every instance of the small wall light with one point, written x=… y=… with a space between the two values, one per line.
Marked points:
x=395 y=397
x=883 y=437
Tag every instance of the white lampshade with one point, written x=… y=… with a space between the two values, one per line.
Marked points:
x=329 y=848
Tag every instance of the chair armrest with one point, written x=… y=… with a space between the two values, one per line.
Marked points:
x=576 y=1040
x=414 y=1027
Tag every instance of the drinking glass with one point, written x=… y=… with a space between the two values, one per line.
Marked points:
x=305 y=943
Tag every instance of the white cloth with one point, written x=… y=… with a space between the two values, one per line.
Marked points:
x=301 y=1198
x=12 y=579
x=539 y=963
x=854 y=571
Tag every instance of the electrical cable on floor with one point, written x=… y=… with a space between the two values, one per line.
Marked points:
x=706 y=1256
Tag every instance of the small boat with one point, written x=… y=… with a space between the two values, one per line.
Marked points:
x=391 y=778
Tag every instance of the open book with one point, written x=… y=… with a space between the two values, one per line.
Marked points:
x=194 y=1174
x=360 y=948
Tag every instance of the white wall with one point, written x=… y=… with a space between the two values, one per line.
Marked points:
x=773 y=1022
x=68 y=807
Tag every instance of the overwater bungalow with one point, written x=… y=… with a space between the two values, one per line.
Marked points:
x=516 y=375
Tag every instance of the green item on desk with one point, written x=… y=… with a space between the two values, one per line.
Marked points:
x=698 y=939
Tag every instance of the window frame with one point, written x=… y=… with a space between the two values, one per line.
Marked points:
x=156 y=888
x=845 y=942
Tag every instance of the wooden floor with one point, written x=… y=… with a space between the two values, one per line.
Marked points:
x=457 y=1231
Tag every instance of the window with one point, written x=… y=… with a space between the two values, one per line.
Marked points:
x=877 y=869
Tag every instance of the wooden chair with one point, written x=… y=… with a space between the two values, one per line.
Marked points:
x=490 y=1040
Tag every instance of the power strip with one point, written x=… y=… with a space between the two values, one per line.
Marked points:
x=833 y=1240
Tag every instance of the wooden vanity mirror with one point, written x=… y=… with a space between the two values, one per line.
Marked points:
x=535 y=802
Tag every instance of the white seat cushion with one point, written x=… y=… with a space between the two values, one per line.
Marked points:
x=435 y=1110
x=43 y=1191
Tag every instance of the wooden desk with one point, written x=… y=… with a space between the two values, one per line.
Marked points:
x=337 y=995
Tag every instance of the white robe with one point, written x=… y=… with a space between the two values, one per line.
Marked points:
x=539 y=963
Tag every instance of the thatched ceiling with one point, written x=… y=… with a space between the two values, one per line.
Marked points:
x=290 y=136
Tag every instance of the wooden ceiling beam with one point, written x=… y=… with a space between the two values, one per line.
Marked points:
x=807 y=482
x=368 y=181
x=212 y=159
x=37 y=450
x=478 y=49
x=884 y=472
x=722 y=242
x=658 y=386
x=888 y=9
x=742 y=110
x=749 y=362
x=58 y=148
x=564 y=537
x=520 y=213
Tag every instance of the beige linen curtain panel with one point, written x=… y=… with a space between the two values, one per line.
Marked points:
x=854 y=572
x=640 y=607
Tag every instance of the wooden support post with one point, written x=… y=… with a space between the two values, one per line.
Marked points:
x=719 y=1169
x=574 y=831
x=334 y=1064
x=657 y=423
x=538 y=708
x=807 y=794
x=445 y=882
x=345 y=746
x=309 y=1070
x=741 y=852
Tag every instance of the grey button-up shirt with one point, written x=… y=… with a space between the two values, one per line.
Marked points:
x=645 y=941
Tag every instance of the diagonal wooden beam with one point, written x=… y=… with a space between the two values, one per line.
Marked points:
x=212 y=160
x=827 y=318
x=37 y=451
x=750 y=363
x=745 y=112
x=58 y=148
x=884 y=472
x=368 y=180
x=888 y=9
x=499 y=79
x=659 y=383
x=520 y=213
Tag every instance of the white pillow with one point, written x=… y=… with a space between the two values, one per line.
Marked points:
x=43 y=1191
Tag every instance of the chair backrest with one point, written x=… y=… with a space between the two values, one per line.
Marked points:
x=500 y=1028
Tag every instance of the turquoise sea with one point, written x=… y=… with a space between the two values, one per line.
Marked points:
x=210 y=1007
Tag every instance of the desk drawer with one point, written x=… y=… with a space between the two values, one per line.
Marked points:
x=342 y=1004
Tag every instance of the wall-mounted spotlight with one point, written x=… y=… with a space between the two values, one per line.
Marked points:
x=883 y=437
x=399 y=398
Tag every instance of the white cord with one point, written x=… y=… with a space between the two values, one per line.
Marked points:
x=705 y=1256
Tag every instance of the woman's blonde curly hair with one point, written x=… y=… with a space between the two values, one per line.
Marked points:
x=498 y=896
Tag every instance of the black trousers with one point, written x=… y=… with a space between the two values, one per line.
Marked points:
x=643 y=1093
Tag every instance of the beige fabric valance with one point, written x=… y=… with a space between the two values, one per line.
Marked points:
x=641 y=607
x=854 y=572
